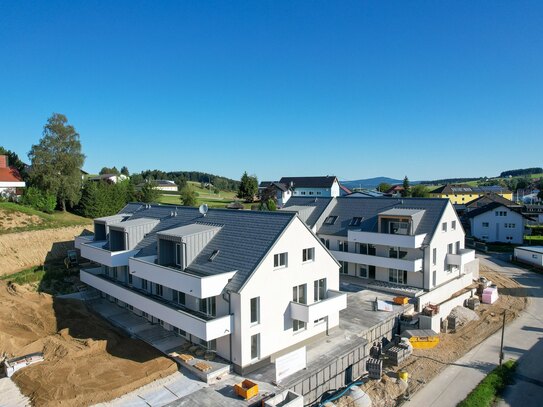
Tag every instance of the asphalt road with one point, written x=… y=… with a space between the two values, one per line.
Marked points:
x=523 y=341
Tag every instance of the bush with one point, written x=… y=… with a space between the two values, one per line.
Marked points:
x=39 y=200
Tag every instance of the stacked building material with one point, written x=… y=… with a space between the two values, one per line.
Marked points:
x=398 y=353
x=374 y=368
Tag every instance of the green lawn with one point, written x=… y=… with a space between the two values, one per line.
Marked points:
x=486 y=392
x=47 y=221
x=534 y=237
x=206 y=196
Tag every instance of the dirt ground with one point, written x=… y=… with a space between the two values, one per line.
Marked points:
x=9 y=221
x=87 y=361
x=19 y=251
x=426 y=364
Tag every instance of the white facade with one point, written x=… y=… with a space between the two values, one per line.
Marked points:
x=530 y=255
x=500 y=224
x=333 y=191
x=249 y=326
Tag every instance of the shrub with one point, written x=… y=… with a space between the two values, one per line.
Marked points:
x=39 y=200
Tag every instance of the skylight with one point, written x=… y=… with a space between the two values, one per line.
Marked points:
x=214 y=254
x=355 y=221
x=330 y=220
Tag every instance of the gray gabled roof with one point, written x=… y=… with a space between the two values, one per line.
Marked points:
x=369 y=209
x=243 y=240
x=320 y=204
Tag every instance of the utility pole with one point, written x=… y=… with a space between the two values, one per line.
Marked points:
x=503 y=332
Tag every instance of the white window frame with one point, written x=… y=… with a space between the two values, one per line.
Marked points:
x=280 y=260
x=256 y=301
x=319 y=290
x=255 y=346
x=308 y=255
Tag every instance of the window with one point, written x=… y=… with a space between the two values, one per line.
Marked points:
x=308 y=254
x=129 y=278
x=344 y=269
x=298 y=294
x=319 y=289
x=485 y=224
x=311 y=192
x=364 y=248
x=298 y=325
x=280 y=260
x=330 y=220
x=453 y=225
x=484 y=237
x=343 y=246
x=363 y=270
x=534 y=256
x=458 y=247
x=326 y=243
x=450 y=248
x=303 y=192
x=208 y=306
x=180 y=297
x=501 y=213
x=255 y=346
x=179 y=332
x=178 y=257
x=509 y=225
x=396 y=253
x=444 y=226
x=255 y=310
x=144 y=284
x=355 y=221
x=158 y=290
x=434 y=256
x=397 y=276
x=214 y=254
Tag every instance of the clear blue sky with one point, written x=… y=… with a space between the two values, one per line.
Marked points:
x=357 y=89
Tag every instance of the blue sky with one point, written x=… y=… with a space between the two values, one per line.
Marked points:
x=356 y=89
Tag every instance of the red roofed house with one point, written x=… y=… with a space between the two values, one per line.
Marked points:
x=11 y=182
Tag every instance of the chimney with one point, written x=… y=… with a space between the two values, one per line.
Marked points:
x=3 y=161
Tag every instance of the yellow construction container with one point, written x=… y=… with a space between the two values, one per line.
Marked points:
x=401 y=300
x=246 y=389
x=422 y=338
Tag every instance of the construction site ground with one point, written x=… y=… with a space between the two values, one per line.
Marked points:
x=423 y=365
x=87 y=360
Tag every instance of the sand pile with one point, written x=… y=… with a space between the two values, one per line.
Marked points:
x=87 y=361
x=463 y=315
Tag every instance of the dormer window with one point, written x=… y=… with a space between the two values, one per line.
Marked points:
x=330 y=220
x=355 y=221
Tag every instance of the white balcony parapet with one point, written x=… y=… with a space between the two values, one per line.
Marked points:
x=197 y=286
x=379 y=261
x=79 y=240
x=335 y=301
x=206 y=329
x=95 y=252
x=387 y=239
x=460 y=259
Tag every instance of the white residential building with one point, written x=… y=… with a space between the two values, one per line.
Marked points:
x=496 y=222
x=530 y=255
x=247 y=284
x=413 y=246
x=287 y=187
x=166 y=185
x=11 y=182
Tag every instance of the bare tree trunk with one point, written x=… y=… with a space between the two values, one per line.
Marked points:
x=63 y=205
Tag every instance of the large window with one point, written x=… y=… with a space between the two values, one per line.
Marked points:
x=144 y=284
x=298 y=325
x=179 y=297
x=343 y=245
x=396 y=253
x=299 y=294
x=208 y=306
x=158 y=290
x=364 y=248
x=319 y=289
x=255 y=310
x=326 y=243
x=397 y=276
x=308 y=254
x=344 y=269
x=363 y=270
x=255 y=346
x=280 y=260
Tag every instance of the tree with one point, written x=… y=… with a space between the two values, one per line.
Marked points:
x=107 y=170
x=188 y=196
x=420 y=191
x=15 y=161
x=406 y=188
x=36 y=199
x=248 y=187
x=100 y=198
x=57 y=161
x=383 y=187
x=148 y=193
x=124 y=170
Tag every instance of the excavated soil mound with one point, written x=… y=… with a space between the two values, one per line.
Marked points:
x=87 y=361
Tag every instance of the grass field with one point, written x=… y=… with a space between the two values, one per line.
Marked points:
x=22 y=218
x=206 y=196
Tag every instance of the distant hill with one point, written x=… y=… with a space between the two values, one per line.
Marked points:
x=371 y=183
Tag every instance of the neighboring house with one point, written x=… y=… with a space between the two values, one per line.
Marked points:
x=485 y=199
x=344 y=191
x=365 y=193
x=395 y=190
x=249 y=285
x=462 y=193
x=111 y=178
x=11 y=182
x=414 y=246
x=530 y=254
x=287 y=187
x=281 y=191
x=533 y=211
x=165 y=185
x=498 y=223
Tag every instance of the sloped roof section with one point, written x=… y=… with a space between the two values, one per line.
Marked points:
x=309 y=182
x=10 y=174
x=319 y=204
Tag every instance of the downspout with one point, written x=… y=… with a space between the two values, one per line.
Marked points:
x=229 y=313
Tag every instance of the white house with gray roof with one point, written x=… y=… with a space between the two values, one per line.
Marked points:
x=249 y=285
x=411 y=246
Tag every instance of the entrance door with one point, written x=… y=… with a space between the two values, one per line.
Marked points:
x=371 y=270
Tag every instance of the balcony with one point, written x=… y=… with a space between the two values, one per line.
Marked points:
x=197 y=286
x=335 y=301
x=96 y=252
x=387 y=239
x=193 y=322
x=378 y=261
x=79 y=240
x=463 y=257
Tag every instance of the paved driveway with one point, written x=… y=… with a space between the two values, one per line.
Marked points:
x=523 y=341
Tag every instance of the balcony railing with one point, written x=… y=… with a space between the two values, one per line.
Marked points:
x=197 y=286
x=334 y=302
x=194 y=322
x=99 y=253
x=461 y=258
x=378 y=261
x=387 y=239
